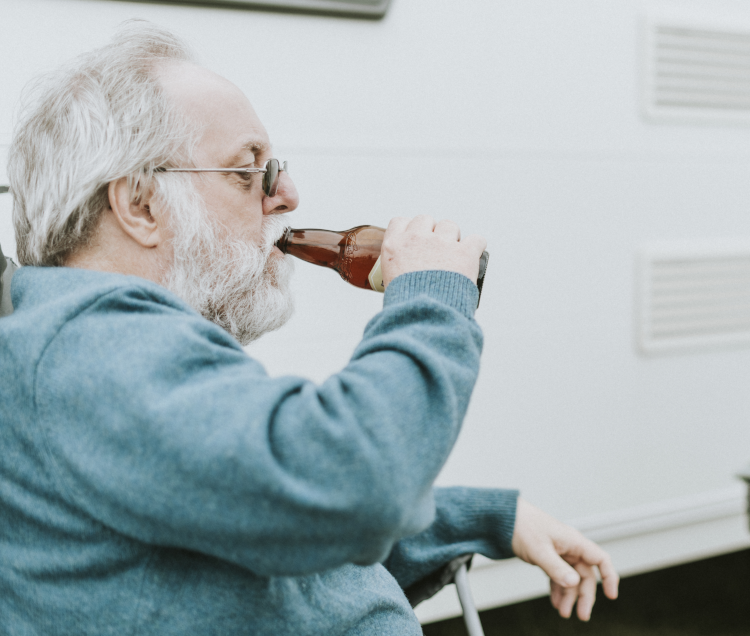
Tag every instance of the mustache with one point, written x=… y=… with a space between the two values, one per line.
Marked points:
x=272 y=229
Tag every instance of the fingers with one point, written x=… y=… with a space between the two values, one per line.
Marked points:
x=421 y=223
x=610 y=578
x=448 y=230
x=592 y=554
x=555 y=594
x=478 y=243
x=586 y=591
x=420 y=244
x=566 y=556
x=567 y=600
x=397 y=224
x=555 y=567
x=564 y=598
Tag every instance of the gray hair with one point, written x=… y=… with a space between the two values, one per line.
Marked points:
x=99 y=118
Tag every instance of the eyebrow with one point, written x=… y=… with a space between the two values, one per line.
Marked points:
x=253 y=146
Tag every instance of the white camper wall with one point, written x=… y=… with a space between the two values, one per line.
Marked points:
x=521 y=120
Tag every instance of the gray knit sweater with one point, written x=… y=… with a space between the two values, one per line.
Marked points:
x=155 y=480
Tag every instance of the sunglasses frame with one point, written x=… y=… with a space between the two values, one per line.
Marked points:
x=270 y=180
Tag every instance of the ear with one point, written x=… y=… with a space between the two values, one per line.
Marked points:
x=135 y=219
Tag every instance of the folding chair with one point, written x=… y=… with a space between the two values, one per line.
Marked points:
x=7 y=267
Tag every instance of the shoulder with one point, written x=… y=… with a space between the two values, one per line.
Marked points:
x=74 y=290
x=100 y=313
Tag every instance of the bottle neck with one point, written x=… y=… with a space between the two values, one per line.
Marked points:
x=319 y=247
x=283 y=242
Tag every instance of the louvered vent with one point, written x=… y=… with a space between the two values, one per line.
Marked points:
x=697 y=73
x=694 y=296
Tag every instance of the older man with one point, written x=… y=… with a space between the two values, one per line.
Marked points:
x=154 y=479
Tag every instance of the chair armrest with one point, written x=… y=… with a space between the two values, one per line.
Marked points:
x=431 y=584
x=7 y=268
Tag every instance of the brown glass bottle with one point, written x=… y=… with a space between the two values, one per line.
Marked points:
x=354 y=254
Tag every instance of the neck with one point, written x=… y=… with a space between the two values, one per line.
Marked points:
x=111 y=250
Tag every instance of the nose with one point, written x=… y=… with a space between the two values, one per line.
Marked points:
x=286 y=198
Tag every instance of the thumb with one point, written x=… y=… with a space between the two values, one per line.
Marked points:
x=556 y=568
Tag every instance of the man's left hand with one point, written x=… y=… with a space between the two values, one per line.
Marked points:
x=566 y=556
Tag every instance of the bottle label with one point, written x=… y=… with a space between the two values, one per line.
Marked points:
x=376 y=277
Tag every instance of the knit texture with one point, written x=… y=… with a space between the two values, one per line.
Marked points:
x=449 y=287
x=468 y=520
x=155 y=480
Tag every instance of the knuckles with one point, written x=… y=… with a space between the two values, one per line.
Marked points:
x=419 y=243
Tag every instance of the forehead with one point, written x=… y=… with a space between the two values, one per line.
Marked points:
x=228 y=126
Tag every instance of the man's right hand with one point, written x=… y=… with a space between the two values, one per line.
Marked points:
x=412 y=245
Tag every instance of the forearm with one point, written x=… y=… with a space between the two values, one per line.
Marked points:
x=467 y=521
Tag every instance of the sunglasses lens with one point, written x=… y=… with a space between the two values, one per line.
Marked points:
x=271 y=178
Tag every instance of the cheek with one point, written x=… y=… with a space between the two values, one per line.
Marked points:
x=240 y=214
x=250 y=227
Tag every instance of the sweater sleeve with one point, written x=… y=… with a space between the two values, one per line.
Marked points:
x=159 y=426
x=467 y=521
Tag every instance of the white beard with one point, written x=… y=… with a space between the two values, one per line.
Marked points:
x=239 y=286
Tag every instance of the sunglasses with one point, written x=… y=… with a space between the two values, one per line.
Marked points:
x=271 y=170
